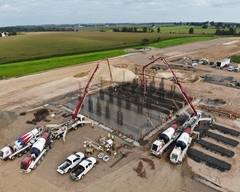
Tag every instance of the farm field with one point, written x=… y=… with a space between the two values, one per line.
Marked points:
x=179 y=29
x=39 y=45
x=40 y=51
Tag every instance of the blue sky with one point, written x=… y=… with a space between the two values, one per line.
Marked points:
x=37 y=12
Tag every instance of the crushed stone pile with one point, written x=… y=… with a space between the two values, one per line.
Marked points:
x=118 y=74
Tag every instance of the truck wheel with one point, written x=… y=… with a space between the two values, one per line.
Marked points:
x=25 y=151
x=82 y=176
x=19 y=154
x=58 y=137
x=69 y=170
x=42 y=157
x=94 y=164
x=34 y=167
x=75 y=128
x=39 y=162
x=12 y=158
x=51 y=145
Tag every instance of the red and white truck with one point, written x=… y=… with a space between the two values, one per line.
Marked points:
x=22 y=145
x=38 y=151
x=164 y=140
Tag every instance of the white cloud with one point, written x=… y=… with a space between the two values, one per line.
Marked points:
x=37 y=12
x=6 y=8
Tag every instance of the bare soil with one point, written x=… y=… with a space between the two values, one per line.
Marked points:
x=138 y=171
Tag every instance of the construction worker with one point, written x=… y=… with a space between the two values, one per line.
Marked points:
x=109 y=135
x=100 y=148
x=213 y=120
x=112 y=138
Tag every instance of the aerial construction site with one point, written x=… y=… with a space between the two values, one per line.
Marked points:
x=153 y=119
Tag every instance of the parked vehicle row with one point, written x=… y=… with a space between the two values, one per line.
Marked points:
x=78 y=165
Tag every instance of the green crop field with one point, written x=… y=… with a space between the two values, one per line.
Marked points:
x=29 y=67
x=34 y=52
x=32 y=46
x=184 y=29
x=180 y=41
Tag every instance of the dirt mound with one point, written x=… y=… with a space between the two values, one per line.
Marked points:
x=81 y=74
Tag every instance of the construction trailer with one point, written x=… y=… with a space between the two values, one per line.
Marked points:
x=223 y=63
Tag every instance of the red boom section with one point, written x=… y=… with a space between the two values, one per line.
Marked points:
x=176 y=81
x=74 y=115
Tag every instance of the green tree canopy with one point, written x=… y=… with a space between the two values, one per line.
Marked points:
x=191 y=31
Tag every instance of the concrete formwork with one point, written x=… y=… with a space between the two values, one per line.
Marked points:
x=125 y=108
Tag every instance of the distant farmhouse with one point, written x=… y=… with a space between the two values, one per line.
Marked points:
x=4 y=34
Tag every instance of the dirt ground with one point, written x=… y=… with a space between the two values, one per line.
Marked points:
x=138 y=171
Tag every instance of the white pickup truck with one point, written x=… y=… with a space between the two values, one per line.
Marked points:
x=81 y=170
x=70 y=163
x=231 y=68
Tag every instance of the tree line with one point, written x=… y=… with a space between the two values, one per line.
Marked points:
x=31 y=28
x=136 y=29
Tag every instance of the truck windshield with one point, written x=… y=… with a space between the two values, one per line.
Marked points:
x=23 y=166
x=154 y=147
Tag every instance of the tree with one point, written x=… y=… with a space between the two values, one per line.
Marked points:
x=232 y=31
x=130 y=29
x=145 y=29
x=145 y=41
x=220 y=24
x=124 y=29
x=218 y=31
x=158 y=29
x=191 y=31
x=116 y=30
